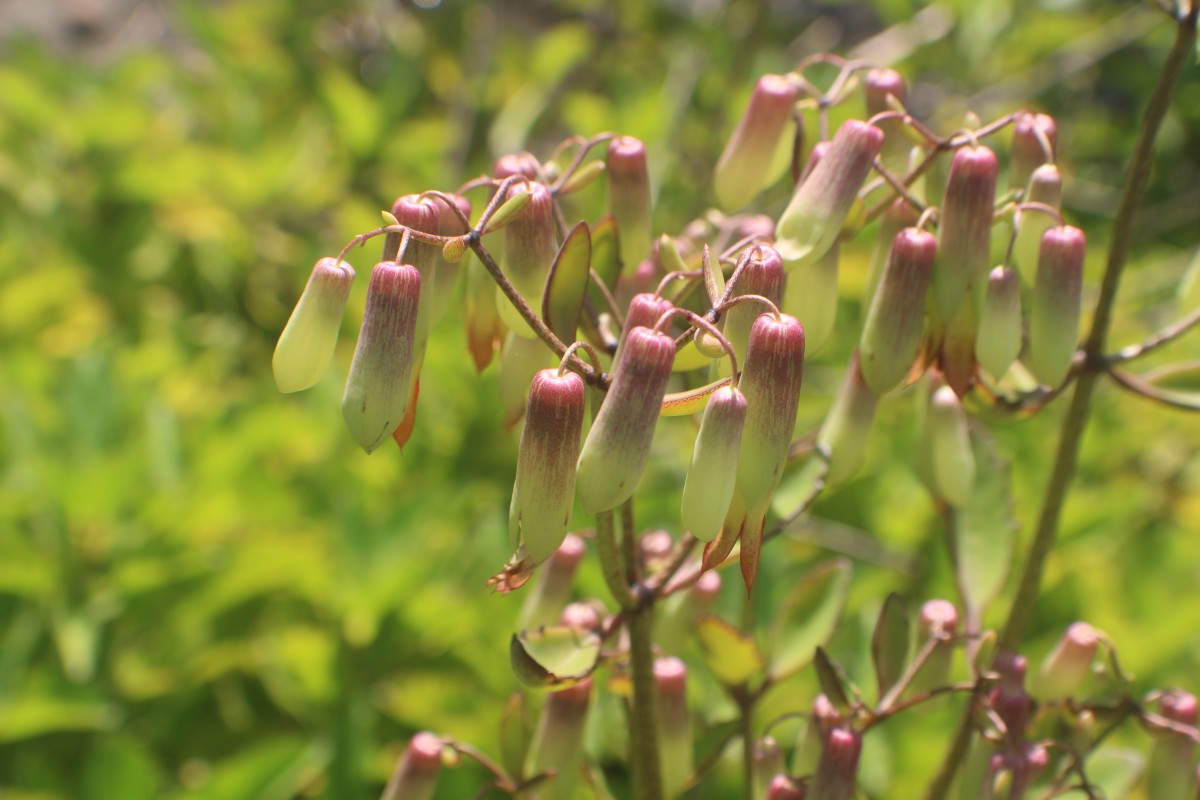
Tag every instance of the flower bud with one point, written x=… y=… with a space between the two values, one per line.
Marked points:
x=998 y=342
x=415 y=777
x=1171 y=770
x=378 y=386
x=952 y=460
x=529 y=249
x=784 y=788
x=1028 y=150
x=891 y=335
x=1068 y=665
x=629 y=197
x=545 y=486
x=837 y=770
x=766 y=760
x=306 y=345
x=938 y=620
x=880 y=83
x=1008 y=698
x=1057 y=296
x=965 y=228
x=643 y=311
x=618 y=445
x=557 y=743
x=770 y=381
x=510 y=164
x=581 y=616
x=898 y=216
x=674 y=724
x=552 y=586
x=712 y=476
x=810 y=294
x=846 y=428
x=762 y=274
x=813 y=219
x=748 y=164
x=824 y=718
x=1045 y=186
x=520 y=360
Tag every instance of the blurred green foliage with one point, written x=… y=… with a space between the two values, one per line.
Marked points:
x=206 y=591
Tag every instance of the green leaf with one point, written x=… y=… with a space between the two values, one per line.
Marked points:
x=808 y=617
x=830 y=679
x=606 y=252
x=732 y=655
x=567 y=283
x=714 y=278
x=889 y=643
x=986 y=529
x=554 y=657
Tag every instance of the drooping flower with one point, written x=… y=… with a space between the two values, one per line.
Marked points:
x=746 y=165
x=306 y=345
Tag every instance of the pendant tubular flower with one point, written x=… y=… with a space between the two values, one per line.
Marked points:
x=629 y=198
x=762 y=275
x=306 y=345
x=674 y=724
x=377 y=387
x=1057 y=297
x=1068 y=665
x=898 y=216
x=891 y=334
x=953 y=461
x=416 y=775
x=1028 y=152
x=847 y=427
x=421 y=214
x=712 y=475
x=1045 y=186
x=1171 y=770
x=643 y=311
x=813 y=219
x=837 y=769
x=529 y=249
x=618 y=445
x=558 y=741
x=545 y=600
x=810 y=295
x=746 y=165
x=879 y=83
x=544 y=489
x=965 y=229
x=999 y=339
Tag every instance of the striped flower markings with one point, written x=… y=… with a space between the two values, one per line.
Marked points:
x=813 y=219
x=746 y=165
x=618 y=445
x=306 y=345
x=377 y=387
x=1057 y=297
x=544 y=489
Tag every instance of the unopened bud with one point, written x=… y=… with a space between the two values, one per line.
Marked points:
x=509 y=164
x=485 y=329
x=766 y=763
x=784 y=788
x=749 y=162
x=415 y=777
x=712 y=476
x=1057 y=297
x=938 y=621
x=813 y=219
x=557 y=743
x=998 y=342
x=378 y=385
x=674 y=724
x=1045 y=186
x=643 y=311
x=1068 y=665
x=811 y=295
x=552 y=585
x=891 y=335
x=898 y=216
x=965 y=228
x=846 y=428
x=1032 y=135
x=762 y=274
x=884 y=87
x=529 y=249
x=618 y=445
x=676 y=615
x=953 y=461
x=824 y=719
x=581 y=616
x=545 y=486
x=1171 y=771
x=837 y=769
x=306 y=345
x=629 y=197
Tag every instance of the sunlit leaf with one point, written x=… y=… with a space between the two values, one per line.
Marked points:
x=691 y=401
x=830 y=681
x=606 y=252
x=889 y=643
x=732 y=655
x=567 y=282
x=808 y=617
x=554 y=657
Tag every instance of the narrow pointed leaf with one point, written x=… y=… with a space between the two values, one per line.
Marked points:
x=889 y=643
x=986 y=530
x=808 y=617
x=606 y=251
x=554 y=657
x=714 y=278
x=691 y=401
x=731 y=654
x=567 y=283
x=830 y=680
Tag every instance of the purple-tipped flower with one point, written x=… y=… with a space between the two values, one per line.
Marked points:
x=529 y=249
x=952 y=460
x=766 y=762
x=557 y=743
x=837 y=769
x=846 y=428
x=674 y=724
x=762 y=274
x=306 y=345
x=750 y=161
x=377 y=388
x=938 y=621
x=880 y=83
x=784 y=788
x=891 y=335
x=1068 y=665
x=965 y=229
x=1032 y=134
x=1045 y=186
x=712 y=476
x=813 y=219
x=998 y=342
x=552 y=586
x=629 y=197
x=416 y=775
x=545 y=487
x=898 y=216
x=1171 y=771
x=643 y=311
x=520 y=360
x=1057 y=296
x=618 y=445
x=425 y=215
x=824 y=719
x=510 y=164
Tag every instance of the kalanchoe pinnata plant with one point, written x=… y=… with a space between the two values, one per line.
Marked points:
x=717 y=322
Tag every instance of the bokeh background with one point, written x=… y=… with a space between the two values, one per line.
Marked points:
x=207 y=590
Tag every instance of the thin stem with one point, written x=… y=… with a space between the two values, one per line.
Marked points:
x=1166 y=335
x=1178 y=400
